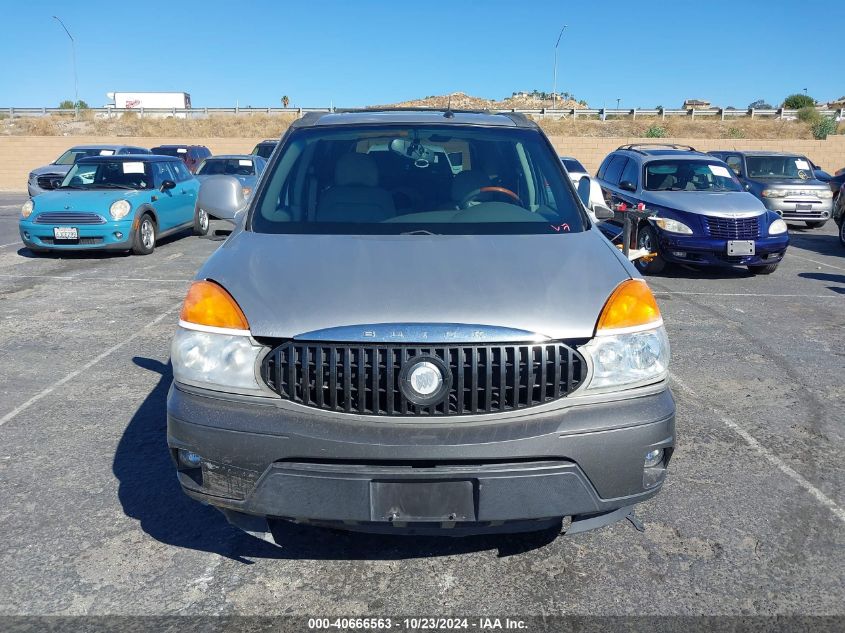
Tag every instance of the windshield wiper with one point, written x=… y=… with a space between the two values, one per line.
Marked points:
x=418 y=232
x=112 y=185
x=71 y=187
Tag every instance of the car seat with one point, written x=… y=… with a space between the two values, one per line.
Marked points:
x=355 y=195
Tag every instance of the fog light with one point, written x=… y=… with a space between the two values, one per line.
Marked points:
x=118 y=235
x=825 y=215
x=679 y=253
x=653 y=458
x=26 y=234
x=189 y=459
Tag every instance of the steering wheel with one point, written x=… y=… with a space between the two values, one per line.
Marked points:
x=501 y=191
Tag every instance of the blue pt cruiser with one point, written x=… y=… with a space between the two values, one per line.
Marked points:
x=704 y=217
x=122 y=203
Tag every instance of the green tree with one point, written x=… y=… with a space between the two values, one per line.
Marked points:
x=798 y=101
x=760 y=104
x=285 y=101
x=67 y=104
x=81 y=105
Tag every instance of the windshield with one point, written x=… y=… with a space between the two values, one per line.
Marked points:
x=397 y=180
x=573 y=165
x=264 y=149
x=171 y=151
x=228 y=166
x=689 y=175
x=109 y=175
x=794 y=167
x=75 y=153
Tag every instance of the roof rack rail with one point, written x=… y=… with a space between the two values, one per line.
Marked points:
x=636 y=147
x=411 y=109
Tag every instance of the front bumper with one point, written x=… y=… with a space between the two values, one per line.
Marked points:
x=811 y=209
x=707 y=251
x=91 y=236
x=273 y=461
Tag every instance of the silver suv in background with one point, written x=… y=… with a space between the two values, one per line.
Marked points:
x=786 y=183
x=47 y=177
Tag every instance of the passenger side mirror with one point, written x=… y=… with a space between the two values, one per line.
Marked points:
x=222 y=197
x=168 y=184
x=747 y=186
x=55 y=183
x=602 y=212
x=627 y=185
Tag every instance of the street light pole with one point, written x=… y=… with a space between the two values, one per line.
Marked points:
x=73 y=59
x=554 y=81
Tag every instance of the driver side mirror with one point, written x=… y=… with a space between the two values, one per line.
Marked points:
x=55 y=183
x=748 y=186
x=627 y=185
x=222 y=197
x=168 y=184
x=602 y=212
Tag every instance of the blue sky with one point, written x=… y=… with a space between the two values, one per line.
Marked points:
x=366 y=52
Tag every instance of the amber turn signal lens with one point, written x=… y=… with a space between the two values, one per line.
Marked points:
x=209 y=304
x=631 y=305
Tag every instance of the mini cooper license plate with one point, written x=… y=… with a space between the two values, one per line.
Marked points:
x=740 y=247
x=65 y=233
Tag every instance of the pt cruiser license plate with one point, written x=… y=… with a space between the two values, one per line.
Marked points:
x=740 y=247
x=65 y=233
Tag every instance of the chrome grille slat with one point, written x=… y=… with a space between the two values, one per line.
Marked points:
x=71 y=217
x=733 y=228
x=364 y=378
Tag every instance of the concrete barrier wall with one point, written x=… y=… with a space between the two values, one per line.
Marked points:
x=20 y=154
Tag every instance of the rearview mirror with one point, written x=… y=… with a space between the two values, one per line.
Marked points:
x=602 y=212
x=221 y=197
x=168 y=184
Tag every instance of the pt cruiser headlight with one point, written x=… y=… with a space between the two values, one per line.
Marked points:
x=213 y=347
x=672 y=226
x=630 y=347
x=777 y=227
x=26 y=209
x=825 y=194
x=119 y=209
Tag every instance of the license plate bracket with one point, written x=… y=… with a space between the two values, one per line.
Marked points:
x=422 y=501
x=65 y=233
x=804 y=207
x=741 y=247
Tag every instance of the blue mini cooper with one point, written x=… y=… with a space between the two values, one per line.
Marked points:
x=704 y=216
x=120 y=203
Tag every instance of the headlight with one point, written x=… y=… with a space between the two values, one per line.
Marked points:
x=119 y=209
x=628 y=360
x=672 y=226
x=218 y=361
x=774 y=193
x=825 y=194
x=777 y=227
x=26 y=209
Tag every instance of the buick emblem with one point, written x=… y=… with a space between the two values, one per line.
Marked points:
x=425 y=378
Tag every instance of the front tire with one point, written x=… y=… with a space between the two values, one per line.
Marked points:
x=815 y=225
x=647 y=238
x=766 y=269
x=144 y=240
x=201 y=222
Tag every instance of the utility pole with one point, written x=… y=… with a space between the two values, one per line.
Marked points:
x=73 y=59
x=554 y=81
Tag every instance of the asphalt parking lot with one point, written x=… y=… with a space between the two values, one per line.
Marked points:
x=751 y=521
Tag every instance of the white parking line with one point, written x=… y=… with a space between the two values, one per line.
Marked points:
x=47 y=391
x=19 y=243
x=94 y=279
x=791 y=254
x=769 y=456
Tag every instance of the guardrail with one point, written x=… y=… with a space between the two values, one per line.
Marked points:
x=601 y=113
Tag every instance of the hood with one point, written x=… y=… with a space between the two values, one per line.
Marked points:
x=60 y=170
x=95 y=201
x=724 y=204
x=288 y=285
x=792 y=183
